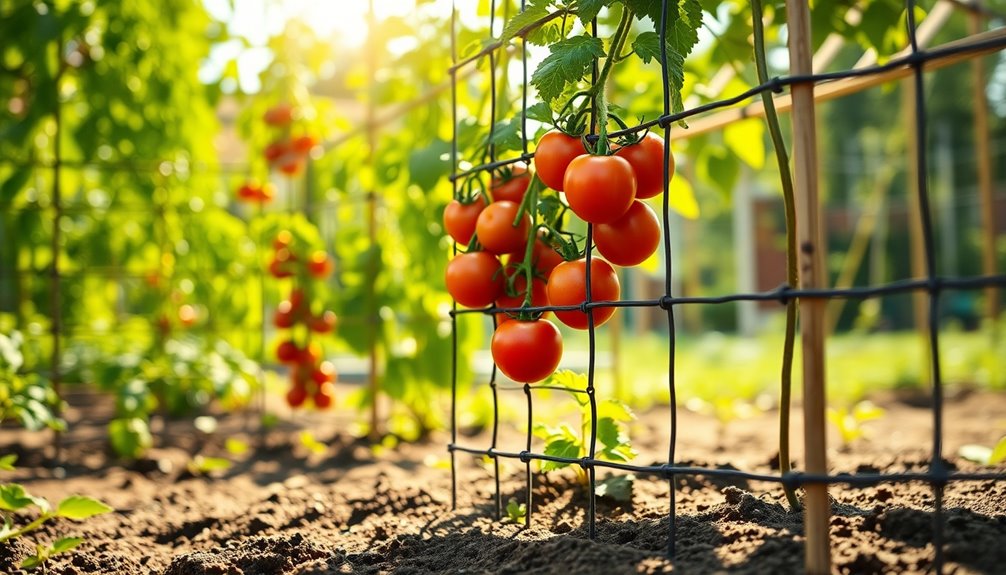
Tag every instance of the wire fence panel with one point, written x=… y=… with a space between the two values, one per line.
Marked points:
x=911 y=66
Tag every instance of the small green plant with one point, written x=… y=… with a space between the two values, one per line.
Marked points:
x=850 y=421
x=203 y=465
x=516 y=512
x=26 y=398
x=14 y=498
x=984 y=455
x=564 y=441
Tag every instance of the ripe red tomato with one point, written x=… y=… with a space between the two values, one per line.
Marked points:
x=286 y=314
x=539 y=296
x=275 y=151
x=647 y=160
x=554 y=152
x=278 y=115
x=460 y=218
x=599 y=189
x=303 y=144
x=283 y=240
x=496 y=231
x=291 y=166
x=319 y=265
x=567 y=285
x=543 y=256
x=630 y=239
x=324 y=396
x=475 y=279
x=282 y=264
x=511 y=186
x=297 y=394
x=309 y=355
x=324 y=373
x=287 y=351
x=527 y=351
x=323 y=323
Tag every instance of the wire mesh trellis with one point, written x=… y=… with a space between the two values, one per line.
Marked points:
x=933 y=285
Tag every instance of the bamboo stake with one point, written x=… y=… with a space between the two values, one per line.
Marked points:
x=983 y=155
x=373 y=319
x=812 y=276
x=917 y=248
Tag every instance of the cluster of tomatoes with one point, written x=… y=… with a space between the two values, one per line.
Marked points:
x=256 y=192
x=286 y=153
x=310 y=375
x=603 y=190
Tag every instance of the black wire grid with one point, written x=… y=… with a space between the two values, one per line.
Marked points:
x=938 y=476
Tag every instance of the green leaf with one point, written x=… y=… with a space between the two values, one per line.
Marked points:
x=569 y=448
x=998 y=454
x=541 y=112
x=616 y=410
x=201 y=464
x=65 y=544
x=977 y=453
x=516 y=512
x=507 y=136
x=608 y=433
x=647 y=9
x=7 y=462
x=13 y=497
x=682 y=199
x=33 y=562
x=587 y=10
x=130 y=436
x=308 y=440
x=867 y=410
x=567 y=62
x=524 y=23
x=617 y=487
x=79 y=507
x=235 y=446
x=429 y=165
x=568 y=379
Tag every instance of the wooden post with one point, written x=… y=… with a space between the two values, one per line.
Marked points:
x=983 y=155
x=917 y=251
x=374 y=317
x=812 y=275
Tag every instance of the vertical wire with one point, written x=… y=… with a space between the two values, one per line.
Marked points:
x=454 y=304
x=936 y=467
x=591 y=333
x=523 y=137
x=57 y=215
x=671 y=341
x=492 y=158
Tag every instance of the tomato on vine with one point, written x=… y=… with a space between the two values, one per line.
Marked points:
x=324 y=396
x=539 y=296
x=567 y=285
x=527 y=351
x=297 y=394
x=511 y=185
x=319 y=265
x=475 y=279
x=287 y=351
x=552 y=155
x=599 y=189
x=496 y=231
x=647 y=160
x=632 y=238
x=460 y=218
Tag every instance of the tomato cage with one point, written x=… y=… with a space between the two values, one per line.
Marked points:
x=808 y=284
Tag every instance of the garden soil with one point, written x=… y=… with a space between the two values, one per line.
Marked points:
x=281 y=509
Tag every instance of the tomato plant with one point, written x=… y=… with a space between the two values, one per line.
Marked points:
x=632 y=238
x=475 y=279
x=647 y=160
x=460 y=218
x=599 y=189
x=496 y=231
x=543 y=257
x=515 y=299
x=553 y=154
x=527 y=351
x=567 y=285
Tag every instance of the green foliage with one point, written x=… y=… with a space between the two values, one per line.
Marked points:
x=850 y=421
x=204 y=465
x=516 y=512
x=563 y=441
x=130 y=437
x=983 y=455
x=14 y=499
x=26 y=398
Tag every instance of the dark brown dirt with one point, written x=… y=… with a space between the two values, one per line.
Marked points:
x=280 y=510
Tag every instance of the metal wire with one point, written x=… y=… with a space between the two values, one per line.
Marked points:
x=933 y=284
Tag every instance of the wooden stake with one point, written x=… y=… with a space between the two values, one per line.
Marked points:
x=983 y=155
x=917 y=248
x=812 y=275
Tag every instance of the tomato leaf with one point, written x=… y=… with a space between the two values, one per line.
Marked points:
x=587 y=10
x=567 y=62
x=746 y=140
x=998 y=454
x=14 y=497
x=527 y=22
x=561 y=447
x=541 y=112
x=7 y=462
x=617 y=487
x=79 y=507
x=66 y=544
x=506 y=136
x=682 y=198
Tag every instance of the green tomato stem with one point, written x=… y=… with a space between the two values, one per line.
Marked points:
x=27 y=528
x=597 y=90
x=792 y=273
